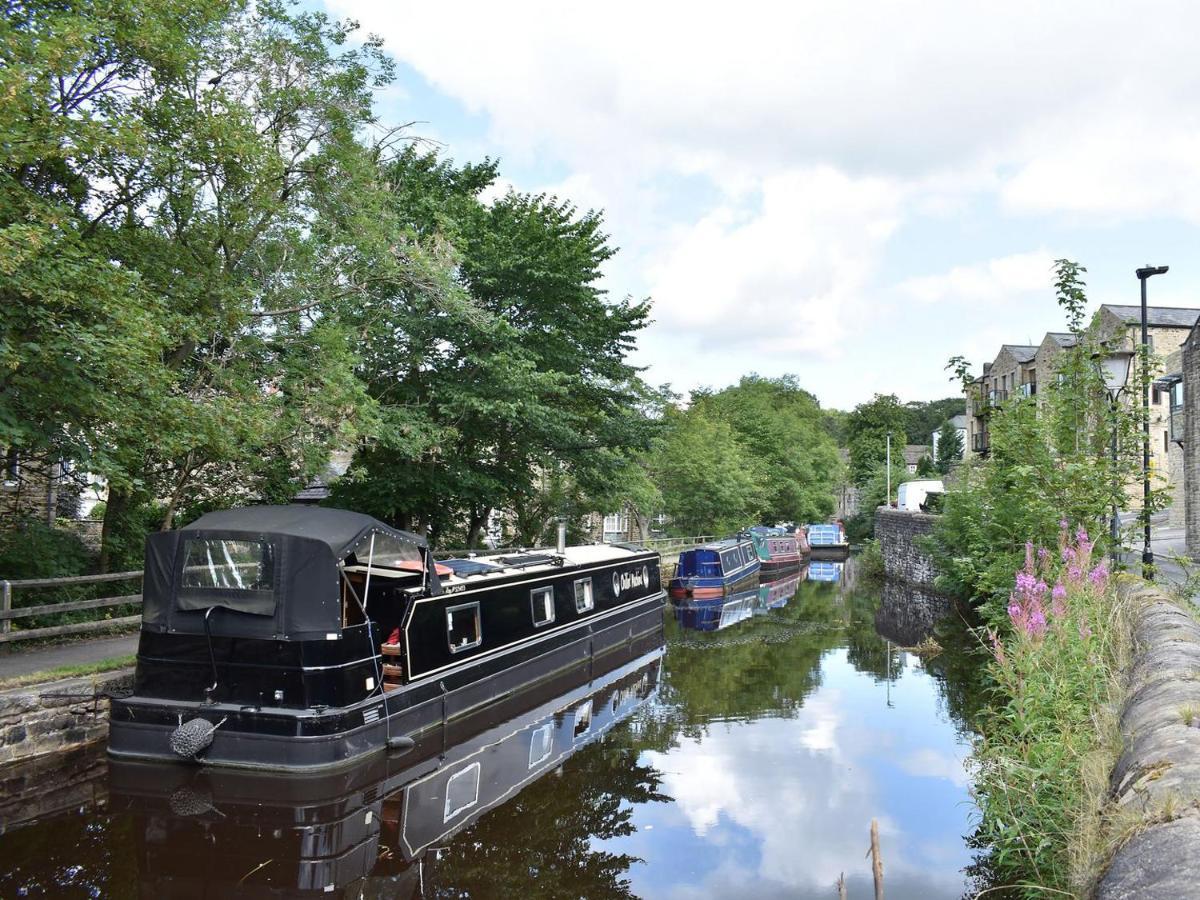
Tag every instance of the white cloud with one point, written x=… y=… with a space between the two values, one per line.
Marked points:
x=818 y=137
x=996 y=280
x=785 y=277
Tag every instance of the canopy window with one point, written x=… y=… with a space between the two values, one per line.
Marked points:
x=229 y=564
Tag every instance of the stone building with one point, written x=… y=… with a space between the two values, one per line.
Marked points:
x=1012 y=373
x=31 y=488
x=913 y=454
x=1190 y=370
x=1167 y=329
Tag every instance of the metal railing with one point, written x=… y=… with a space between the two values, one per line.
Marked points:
x=8 y=614
x=980 y=443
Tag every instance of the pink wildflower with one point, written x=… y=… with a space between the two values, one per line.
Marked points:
x=1099 y=576
x=1035 y=626
x=1029 y=557
x=1068 y=554
x=1085 y=630
x=1059 y=597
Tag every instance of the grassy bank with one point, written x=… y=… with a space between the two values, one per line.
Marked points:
x=57 y=674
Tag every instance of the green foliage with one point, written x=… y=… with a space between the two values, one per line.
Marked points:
x=925 y=417
x=949 y=447
x=869 y=562
x=780 y=426
x=926 y=468
x=32 y=549
x=1048 y=462
x=867 y=428
x=874 y=494
x=708 y=483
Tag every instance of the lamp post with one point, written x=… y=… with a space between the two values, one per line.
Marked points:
x=1114 y=366
x=1143 y=274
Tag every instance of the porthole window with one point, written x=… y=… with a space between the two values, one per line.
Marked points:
x=583 y=595
x=542 y=600
x=463 y=628
x=462 y=791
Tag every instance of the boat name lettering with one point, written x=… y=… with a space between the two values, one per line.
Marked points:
x=623 y=581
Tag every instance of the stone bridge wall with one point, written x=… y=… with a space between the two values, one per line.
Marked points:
x=904 y=559
x=1157 y=778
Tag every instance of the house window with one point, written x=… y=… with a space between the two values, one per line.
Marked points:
x=462 y=791
x=614 y=523
x=583 y=595
x=542 y=600
x=541 y=743
x=463 y=629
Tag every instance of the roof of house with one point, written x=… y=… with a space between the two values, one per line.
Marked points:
x=959 y=421
x=1022 y=353
x=1062 y=338
x=913 y=453
x=1156 y=316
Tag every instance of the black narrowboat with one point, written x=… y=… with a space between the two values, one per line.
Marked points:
x=297 y=638
x=366 y=831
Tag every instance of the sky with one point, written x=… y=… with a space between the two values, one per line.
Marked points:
x=850 y=192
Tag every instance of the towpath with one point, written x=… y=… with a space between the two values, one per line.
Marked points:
x=17 y=662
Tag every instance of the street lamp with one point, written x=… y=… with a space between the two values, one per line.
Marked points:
x=1143 y=274
x=1114 y=367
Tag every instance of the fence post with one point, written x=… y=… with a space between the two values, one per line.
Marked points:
x=5 y=605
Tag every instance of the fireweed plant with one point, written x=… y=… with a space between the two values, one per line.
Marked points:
x=1049 y=737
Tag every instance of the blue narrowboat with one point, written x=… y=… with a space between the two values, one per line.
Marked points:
x=716 y=569
x=828 y=572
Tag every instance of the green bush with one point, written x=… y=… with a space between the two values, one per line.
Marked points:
x=870 y=562
x=32 y=549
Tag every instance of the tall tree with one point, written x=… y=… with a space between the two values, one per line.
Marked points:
x=949 y=447
x=867 y=428
x=194 y=160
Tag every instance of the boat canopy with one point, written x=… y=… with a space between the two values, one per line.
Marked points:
x=268 y=571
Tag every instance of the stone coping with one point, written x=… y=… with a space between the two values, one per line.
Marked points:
x=1157 y=777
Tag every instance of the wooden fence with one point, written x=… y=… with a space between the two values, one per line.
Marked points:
x=8 y=615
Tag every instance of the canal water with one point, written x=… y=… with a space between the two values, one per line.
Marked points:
x=747 y=760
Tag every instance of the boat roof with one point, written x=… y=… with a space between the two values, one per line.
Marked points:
x=340 y=529
x=720 y=545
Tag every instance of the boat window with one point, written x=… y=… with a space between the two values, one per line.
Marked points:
x=583 y=719
x=389 y=552
x=229 y=565
x=583 y=595
x=542 y=600
x=463 y=629
x=462 y=791
x=540 y=744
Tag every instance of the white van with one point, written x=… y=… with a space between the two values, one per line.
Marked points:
x=911 y=495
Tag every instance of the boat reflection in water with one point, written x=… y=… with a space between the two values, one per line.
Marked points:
x=365 y=832
x=716 y=613
x=824 y=571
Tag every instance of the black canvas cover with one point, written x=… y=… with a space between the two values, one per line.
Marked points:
x=264 y=572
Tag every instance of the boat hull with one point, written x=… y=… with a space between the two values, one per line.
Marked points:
x=708 y=588
x=308 y=740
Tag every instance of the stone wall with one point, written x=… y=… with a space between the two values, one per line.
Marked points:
x=1191 y=449
x=51 y=785
x=898 y=532
x=1157 y=779
x=57 y=716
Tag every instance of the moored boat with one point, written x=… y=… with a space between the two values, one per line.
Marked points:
x=716 y=569
x=777 y=550
x=294 y=638
x=828 y=540
x=776 y=594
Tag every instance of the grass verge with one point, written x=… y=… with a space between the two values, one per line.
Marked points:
x=95 y=668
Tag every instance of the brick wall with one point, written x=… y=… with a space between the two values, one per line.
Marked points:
x=898 y=532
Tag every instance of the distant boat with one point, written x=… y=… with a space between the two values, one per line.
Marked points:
x=718 y=612
x=777 y=549
x=827 y=538
x=716 y=569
